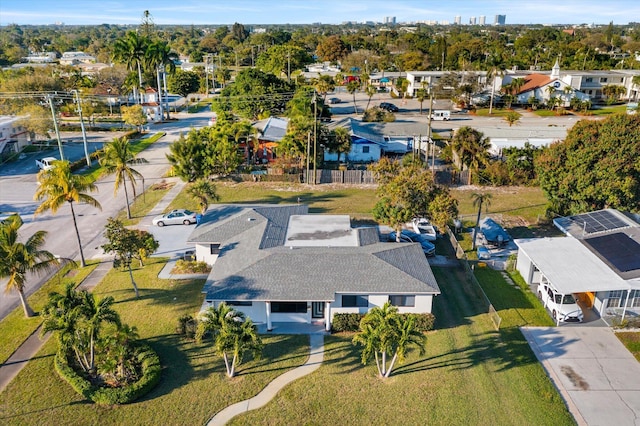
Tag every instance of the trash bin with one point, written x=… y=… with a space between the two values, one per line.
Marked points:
x=198 y=218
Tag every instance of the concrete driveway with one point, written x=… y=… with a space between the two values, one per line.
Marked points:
x=596 y=375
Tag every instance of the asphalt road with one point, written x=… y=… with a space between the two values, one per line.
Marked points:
x=18 y=185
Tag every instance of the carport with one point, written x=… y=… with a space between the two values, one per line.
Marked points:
x=569 y=267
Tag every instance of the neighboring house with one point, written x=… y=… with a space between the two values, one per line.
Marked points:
x=270 y=133
x=276 y=263
x=75 y=58
x=543 y=87
x=41 y=58
x=13 y=136
x=425 y=79
x=598 y=261
x=151 y=105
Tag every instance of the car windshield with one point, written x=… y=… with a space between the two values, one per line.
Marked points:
x=567 y=300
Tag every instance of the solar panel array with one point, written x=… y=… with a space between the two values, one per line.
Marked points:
x=598 y=221
x=618 y=249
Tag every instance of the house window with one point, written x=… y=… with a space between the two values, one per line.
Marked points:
x=634 y=299
x=365 y=149
x=615 y=299
x=238 y=303
x=589 y=80
x=354 y=301
x=215 y=248
x=402 y=300
x=603 y=79
x=289 y=307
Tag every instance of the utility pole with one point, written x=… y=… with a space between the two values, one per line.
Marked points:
x=308 y=149
x=55 y=126
x=315 y=135
x=206 y=74
x=429 y=129
x=84 y=133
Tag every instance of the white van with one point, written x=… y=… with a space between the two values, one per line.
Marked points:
x=441 y=115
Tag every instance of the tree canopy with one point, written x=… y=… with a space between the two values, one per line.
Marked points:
x=596 y=166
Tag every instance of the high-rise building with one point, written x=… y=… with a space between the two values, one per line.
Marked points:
x=458 y=20
x=483 y=20
x=391 y=20
x=472 y=20
x=500 y=20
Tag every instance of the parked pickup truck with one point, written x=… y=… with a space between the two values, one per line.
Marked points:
x=45 y=163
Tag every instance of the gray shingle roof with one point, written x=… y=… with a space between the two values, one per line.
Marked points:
x=254 y=264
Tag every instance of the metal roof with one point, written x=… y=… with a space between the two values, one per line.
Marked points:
x=570 y=266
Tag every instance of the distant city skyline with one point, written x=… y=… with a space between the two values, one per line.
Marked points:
x=255 y=12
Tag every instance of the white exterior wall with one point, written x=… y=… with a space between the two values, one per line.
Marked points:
x=525 y=267
x=292 y=317
x=203 y=254
x=356 y=153
x=257 y=311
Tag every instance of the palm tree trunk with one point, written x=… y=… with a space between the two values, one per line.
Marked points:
x=135 y=287
x=233 y=365
x=126 y=196
x=384 y=363
x=92 y=354
x=28 y=312
x=226 y=362
x=75 y=225
x=378 y=364
x=393 y=361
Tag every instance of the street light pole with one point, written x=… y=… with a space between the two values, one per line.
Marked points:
x=55 y=126
x=110 y=103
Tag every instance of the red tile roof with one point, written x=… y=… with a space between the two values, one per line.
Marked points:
x=533 y=81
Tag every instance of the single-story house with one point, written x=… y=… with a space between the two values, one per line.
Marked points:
x=277 y=263
x=13 y=135
x=270 y=133
x=598 y=261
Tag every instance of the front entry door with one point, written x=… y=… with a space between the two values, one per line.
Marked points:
x=317 y=309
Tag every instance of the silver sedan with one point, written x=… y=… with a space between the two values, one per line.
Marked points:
x=175 y=217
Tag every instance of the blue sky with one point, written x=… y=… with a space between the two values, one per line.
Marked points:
x=186 y=12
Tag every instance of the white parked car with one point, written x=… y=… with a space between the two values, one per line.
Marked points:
x=45 y=163
x=176 y=217
x=423 y=227
x=562 y=307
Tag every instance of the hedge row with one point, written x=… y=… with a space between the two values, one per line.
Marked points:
x=151 y=372
x=351 y=322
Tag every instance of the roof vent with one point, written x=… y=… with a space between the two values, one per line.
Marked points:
x=251 y=219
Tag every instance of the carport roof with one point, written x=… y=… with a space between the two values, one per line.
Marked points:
x=570 y=266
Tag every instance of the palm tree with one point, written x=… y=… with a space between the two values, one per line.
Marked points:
x=230 y=332
x=352 y=87
x=130 y=50
x=492 y=74
x=57 y=186
x=342 y=141
x=236 y=337
x=471 y=147
x=77 y=318
x=17 y=259
x=512 y=118
x=323 y=85
x=383 y=333
x=516 y=85
x=160 y=57
x=478 y=200
x=370 y=91
x=117 y=159
x=204 y=192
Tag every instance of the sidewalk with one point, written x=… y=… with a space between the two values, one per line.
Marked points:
x=30 y=347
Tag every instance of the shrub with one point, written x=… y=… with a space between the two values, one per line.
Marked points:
x=190 y=267
x=346 y=322
x=423 y=322
x=151 y=371
x=187 y=326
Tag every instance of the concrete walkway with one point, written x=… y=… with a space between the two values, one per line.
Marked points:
x=595 y=374
x=25 y=352
x=269 y=392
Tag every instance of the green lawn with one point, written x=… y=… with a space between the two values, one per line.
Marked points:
x=15 y=328
x=144 y=203
x=495 y=112
x=193 y=386
x=471 y=374
x=327 y=199
x=608 y=110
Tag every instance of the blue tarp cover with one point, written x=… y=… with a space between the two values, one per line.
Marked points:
x=493 y=232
